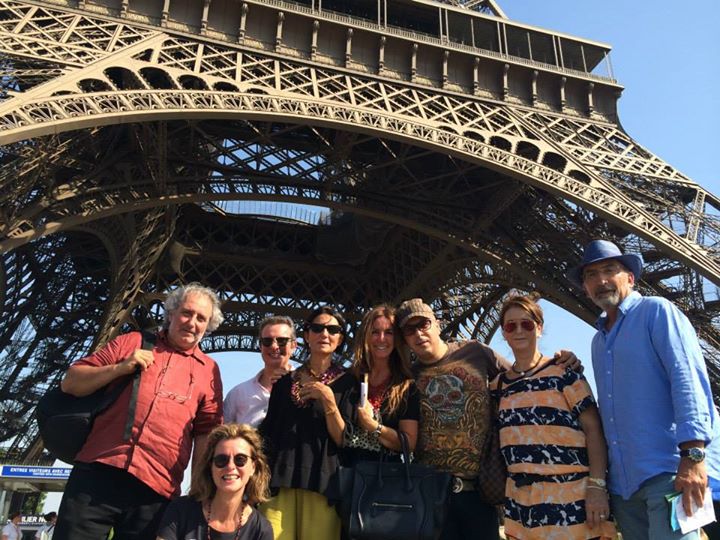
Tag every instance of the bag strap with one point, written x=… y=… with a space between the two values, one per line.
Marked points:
x=405 y=449
x=148 y=342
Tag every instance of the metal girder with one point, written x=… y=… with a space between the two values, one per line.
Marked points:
x=134 y=143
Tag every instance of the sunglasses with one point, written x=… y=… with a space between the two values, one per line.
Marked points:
x=527 y=325
x=332 y=329
x=222 y=460
x=410 y=329
x=268 y=341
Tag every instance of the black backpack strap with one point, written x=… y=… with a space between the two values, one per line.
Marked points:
x=148 y=342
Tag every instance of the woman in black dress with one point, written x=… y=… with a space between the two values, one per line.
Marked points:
x=392 y=403
x=303 y=430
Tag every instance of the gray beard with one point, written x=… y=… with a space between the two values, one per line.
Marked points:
x=608 y=302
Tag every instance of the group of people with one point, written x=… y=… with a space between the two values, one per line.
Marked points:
x=576 y=467
x=11 y=530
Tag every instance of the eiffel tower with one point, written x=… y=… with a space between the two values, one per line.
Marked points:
x=295 y=152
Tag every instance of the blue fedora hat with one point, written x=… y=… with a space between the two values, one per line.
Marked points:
x=600 y=250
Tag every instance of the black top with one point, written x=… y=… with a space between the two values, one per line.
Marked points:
x=300 y=451
x=409 y=409
x=184 y=520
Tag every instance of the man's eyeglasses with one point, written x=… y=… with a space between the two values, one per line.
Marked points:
x=222 y=460
x=526 y=324
x=332 y=329
x=281 y=341
x=410 y=329
x=170 y=394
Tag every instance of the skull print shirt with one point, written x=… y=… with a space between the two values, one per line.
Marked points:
x=455 y=406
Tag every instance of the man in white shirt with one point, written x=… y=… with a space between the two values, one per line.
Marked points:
x=247 y=402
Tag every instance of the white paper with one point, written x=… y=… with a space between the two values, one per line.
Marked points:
x=701 y=516
x=363 y=393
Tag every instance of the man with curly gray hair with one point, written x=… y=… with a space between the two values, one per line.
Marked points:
x=134 y=458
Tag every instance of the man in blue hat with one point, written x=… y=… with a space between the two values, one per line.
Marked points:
x=654 y=396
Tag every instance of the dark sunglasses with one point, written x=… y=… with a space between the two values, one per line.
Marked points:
x=525 y=324
x=332 y=329
x=222 y=460
x=410 y=329
x=268 y=341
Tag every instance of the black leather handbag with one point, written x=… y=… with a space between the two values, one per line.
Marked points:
x=65 y=421
x=394 y=501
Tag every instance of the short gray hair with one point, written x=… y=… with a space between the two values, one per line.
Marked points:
x=175 y=299
x=277 y=319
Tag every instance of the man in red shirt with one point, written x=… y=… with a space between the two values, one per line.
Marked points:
x=123 y=479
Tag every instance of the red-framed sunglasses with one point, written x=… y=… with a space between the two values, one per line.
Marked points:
x=526 y=324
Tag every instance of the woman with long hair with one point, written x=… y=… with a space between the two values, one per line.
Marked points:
x=392 y=403
x=551 y=438
x=303 y=430
x=231 y=479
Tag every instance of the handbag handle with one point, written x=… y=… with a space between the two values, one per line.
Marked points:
x=405 y=450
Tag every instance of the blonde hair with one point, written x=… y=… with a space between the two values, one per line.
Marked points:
x=202 y=487
x=400 y=375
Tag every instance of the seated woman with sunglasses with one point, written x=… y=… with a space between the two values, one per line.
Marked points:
x=303 y=430
x=232 y=477
x=393 y=403
x=551 y=439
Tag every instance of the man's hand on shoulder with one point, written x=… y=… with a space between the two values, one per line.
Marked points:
x=692 y=481
x=139 y=358
x=83 y=380
x=277 y=373
x=568 y=360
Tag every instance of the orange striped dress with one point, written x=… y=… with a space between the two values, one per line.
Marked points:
x=546 y=454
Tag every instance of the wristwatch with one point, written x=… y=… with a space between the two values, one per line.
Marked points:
x=694 y=453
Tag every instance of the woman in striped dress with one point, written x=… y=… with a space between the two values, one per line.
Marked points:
x=551 y=439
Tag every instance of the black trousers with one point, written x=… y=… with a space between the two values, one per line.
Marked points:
x=470 y=519
x=99 y=497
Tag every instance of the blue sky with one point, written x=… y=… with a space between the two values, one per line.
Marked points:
x=666 y=57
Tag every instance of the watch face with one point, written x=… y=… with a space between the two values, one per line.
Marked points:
x=695 y=454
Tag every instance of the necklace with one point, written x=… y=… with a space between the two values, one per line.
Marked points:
x=312 y=373
x=240 y=525
x=326 y=377
x=522 y=373
x=377 y=394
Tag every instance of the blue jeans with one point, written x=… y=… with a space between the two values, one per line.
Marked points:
x=646 y=514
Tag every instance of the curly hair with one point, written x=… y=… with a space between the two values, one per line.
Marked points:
x=400 y=375
x=202 y=487
x=175 y=299
x=526 y=302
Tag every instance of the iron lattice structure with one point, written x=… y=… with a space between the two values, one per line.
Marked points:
x=451 y=153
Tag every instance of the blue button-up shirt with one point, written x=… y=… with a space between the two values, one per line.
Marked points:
x=653 y=392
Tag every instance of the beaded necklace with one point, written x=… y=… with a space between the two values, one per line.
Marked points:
x=240 y=525
x=326 y=377
x=377 y=394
